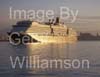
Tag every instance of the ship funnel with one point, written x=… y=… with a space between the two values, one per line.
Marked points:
x=57 y=21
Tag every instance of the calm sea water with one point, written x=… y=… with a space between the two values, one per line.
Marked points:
x=79 y=50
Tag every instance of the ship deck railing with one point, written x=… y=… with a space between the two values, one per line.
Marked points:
x=48 y=34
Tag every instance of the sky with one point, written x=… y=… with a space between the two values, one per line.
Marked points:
x=89 y=11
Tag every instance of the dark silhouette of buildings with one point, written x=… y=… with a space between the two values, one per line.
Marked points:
x=88 y=37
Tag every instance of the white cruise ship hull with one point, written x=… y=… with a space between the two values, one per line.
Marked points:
x=53 y=38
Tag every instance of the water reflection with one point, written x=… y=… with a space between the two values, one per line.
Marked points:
x=80 y=50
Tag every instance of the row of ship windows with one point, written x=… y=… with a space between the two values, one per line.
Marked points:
x=48 y=34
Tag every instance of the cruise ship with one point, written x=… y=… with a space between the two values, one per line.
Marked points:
x=50 y=32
